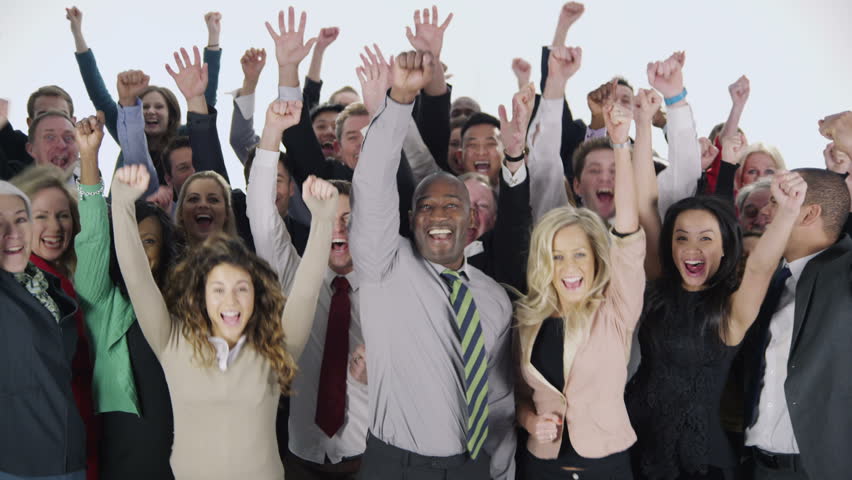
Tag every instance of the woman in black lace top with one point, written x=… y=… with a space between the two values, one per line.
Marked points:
x=695 y=316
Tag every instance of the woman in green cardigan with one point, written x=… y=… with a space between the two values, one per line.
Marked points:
x=129 y=387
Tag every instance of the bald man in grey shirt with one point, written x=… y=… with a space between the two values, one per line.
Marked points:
x=418 y=412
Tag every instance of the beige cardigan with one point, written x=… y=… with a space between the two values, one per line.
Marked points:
x=592 y=404
x=224 y=421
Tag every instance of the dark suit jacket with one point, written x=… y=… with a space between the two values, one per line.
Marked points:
x=41 y=432
x=819 y=371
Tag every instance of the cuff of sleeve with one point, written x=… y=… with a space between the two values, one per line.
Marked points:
x=592 y=133
x=129 y=110
x=513 y=180
x=289 y=93
x=91 y=188
x=245 y=104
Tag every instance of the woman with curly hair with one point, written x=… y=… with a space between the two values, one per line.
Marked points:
x=576 y=327
x=227 y=340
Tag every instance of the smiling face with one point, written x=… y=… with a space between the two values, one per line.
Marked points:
x=440 y=220
x=180 y=160
x=323 y=126
x=203 y=211
x=757 y=165
x=349 y=145
x=573 y=264
x=54 y=142
x=229 y=298
x=595 y=185
x=53 y=224
x=624 y=96
x=340 y=260
x=482 y=150
x=15 y=234
x=151 y=234
x=156 y=113
x=283 y=190
x=696 y=248
x=752 y=219
x=483 y=207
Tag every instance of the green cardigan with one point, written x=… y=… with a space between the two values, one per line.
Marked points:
x=109 y=314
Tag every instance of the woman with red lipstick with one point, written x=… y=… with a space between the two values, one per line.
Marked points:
x=56 y=221
x=695 y=316
x=575 y=329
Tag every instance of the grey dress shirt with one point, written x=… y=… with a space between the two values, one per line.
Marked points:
x=416 y=386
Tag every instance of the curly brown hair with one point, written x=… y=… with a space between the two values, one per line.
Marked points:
x=185 y=295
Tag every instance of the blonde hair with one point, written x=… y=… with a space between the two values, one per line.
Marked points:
x=230 y=225
x=542 y=300
x=42 y=177
x=758 y=147
x=352 y=110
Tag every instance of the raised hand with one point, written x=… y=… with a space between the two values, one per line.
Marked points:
x=617 y=119
x=646 y=104
x=428 y=36
x=163 y=197
x=283 y=114
x=75 y=18
x=252 y=62
x=598 y=97
x=191 y=77
x=739 y=91
x=562 y=64
x=410 y=72
x=514 y=131
x=732 y=147
x=358 y=364
x=570 y=13
x=4 y=112
x=130 y=84
x=374 y=76
x=290 y=45
x=321 y=198
x=838 y=127
x=326 y=37
x=135 y=177
x=788 y=191
x=835 y=160
x=667 y=76
x=708 y=152
x=89 y=132
x=213 y=20
x=522 y=70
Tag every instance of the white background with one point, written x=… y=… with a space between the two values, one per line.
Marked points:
x=797 y=54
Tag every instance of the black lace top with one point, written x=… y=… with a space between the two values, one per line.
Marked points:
x=673 y=400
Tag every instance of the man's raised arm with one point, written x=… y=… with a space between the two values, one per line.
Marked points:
x=375 y=201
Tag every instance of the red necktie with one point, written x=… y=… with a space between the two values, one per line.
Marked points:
x=331 y=397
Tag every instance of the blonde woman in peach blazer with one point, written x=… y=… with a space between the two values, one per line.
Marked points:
x=576 y=324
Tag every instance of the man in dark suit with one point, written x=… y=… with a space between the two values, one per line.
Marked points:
x=798 y=415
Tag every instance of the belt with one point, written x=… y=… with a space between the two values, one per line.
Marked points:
x=777 y=461
x=404 y=457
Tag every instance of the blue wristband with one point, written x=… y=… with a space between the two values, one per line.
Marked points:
x=675 y=99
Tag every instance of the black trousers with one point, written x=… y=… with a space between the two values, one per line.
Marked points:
x=386 y=462
x=763 y=471
x=616 y=467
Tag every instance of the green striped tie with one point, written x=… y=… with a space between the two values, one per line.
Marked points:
x=475 y=361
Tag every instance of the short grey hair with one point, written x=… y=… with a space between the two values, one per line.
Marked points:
x=7 y=188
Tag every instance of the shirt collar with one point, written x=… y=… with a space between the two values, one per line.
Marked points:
x=798 y=266
x=225 y=355
x=473 y=248
x=351 y=277
x=465 y=270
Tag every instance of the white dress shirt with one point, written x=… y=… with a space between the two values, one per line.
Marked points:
x=773 y=431
x=225 y=355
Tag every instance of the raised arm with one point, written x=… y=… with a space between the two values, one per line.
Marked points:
x=570 y=13
x=739 y=91
x=242 y=135
x=645 y=105
x=788 y=195
x=375 y=202
x=545 y=134
x=213 y=54
x=428 y=36
x=131 y=125
x=151 y=311
x=271 y=238
x=321 y=198
x=680 y=179
x=326 y=37
x=618 y=119
x=95 y=86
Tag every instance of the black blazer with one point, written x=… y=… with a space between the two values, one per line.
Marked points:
x=819 y=371
x=41 y=432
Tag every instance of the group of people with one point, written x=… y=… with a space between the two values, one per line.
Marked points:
x=412 y=288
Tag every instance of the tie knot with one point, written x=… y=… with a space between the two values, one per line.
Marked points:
x=340 y=284
x=450 y=276
x=785 y=273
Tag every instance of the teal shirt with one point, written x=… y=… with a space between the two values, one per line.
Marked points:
x=109 y=314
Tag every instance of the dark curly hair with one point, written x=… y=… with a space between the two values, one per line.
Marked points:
x=185 y=296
